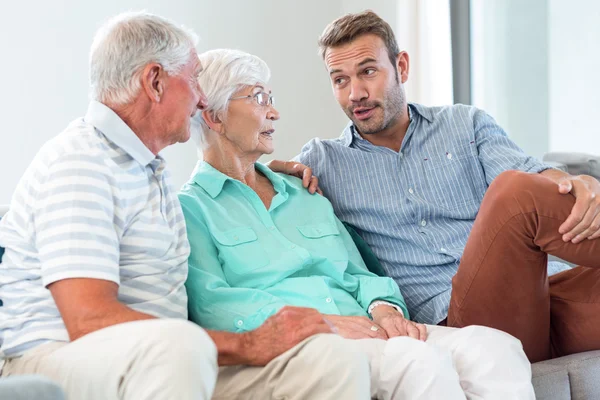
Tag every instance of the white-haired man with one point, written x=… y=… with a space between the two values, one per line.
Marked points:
x=92 y=281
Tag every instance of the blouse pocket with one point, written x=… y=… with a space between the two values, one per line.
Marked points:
x=240 y=251
x=324 y=239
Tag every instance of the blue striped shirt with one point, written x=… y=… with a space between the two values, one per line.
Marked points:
x=416 y=207
x=94 y=203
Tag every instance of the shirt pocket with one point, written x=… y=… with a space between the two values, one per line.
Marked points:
x=240 y=250
x=451 y=179
x=323 y=240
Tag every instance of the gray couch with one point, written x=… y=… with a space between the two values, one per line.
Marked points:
x=574 y=377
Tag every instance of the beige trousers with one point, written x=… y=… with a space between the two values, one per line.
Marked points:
x=144 y=360
x=472 y=363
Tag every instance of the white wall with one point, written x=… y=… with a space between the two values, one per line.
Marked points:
x=509 y=45
x=536 y=69
x=574 y=61
x=45 y=47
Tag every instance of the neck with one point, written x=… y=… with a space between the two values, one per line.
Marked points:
x=240 y=167
x=392 y=136
x=138 y=118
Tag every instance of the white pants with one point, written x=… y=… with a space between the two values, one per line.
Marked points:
x=473 y=363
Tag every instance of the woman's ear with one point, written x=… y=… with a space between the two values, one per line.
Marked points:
x=213 y=120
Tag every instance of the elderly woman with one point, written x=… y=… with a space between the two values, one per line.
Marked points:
x=260 y=241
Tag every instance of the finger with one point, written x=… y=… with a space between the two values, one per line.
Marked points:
x=577 y=213
x=391 y=329
x=580 y=231
x=589 y=225
x=375 y=331
x=314 y=185
x=422 y=332
x=596 y=223
x=306 y=177
x=412 y=331
x=319 y=191
x=565 y=186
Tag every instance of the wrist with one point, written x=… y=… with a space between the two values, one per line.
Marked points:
x=233 y=348
x=383 y=309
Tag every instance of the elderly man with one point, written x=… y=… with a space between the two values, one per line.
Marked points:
x=412 y=180
x=92 y=281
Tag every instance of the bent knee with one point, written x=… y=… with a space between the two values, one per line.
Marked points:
x=491 y=338
x=182 y=338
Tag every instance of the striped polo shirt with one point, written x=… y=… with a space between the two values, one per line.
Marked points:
x=94 y=203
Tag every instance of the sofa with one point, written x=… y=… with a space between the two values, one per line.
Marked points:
x=574 y=377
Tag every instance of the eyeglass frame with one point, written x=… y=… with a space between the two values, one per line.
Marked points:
x=270 y=99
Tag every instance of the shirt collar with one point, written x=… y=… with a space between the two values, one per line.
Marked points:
x=212 y=180
x=116 y=130
x=350 y=133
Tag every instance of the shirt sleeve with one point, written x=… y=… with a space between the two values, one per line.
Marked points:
x=497 y=153
x=370 y=286
x=75 y=219
x=212 y=303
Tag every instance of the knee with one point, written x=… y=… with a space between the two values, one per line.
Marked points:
x=510 y=182
x=183 y=344
x=488 y=340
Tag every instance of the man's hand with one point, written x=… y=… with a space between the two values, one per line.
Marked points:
x=281 y=332
x=298 y=170
x=357 y=327
x=396 y=325
x=584 y=220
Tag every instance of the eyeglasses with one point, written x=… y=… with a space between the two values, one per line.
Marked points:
x=262 y=98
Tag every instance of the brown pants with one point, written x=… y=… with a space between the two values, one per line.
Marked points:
x=502 y=279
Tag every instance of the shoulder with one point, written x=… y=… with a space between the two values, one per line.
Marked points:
x=454 y=111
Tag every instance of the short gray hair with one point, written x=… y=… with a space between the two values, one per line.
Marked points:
x=125 y=44
x=225 y=72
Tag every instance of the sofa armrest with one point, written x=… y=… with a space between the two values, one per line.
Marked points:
x=576 y=163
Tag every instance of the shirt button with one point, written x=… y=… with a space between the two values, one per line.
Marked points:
x=401 y=155
x=328 y=300
x=443 y=250
x=423 y=222
x=449 y=155
x=411 y=191
x=240 y=323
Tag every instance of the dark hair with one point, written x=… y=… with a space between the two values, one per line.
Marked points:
x=349 y=27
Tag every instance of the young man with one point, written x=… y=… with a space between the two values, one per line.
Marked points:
x=412 y=180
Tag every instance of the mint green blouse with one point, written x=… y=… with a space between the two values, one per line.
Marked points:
x=247 y=262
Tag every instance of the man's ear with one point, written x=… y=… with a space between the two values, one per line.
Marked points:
x=213 y=120
x=403 y=64
x=153 y=81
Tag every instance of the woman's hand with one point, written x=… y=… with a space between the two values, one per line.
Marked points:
x=395 y=324
x=356 y=327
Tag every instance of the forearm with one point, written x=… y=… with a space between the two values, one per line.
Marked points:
x=99 y=318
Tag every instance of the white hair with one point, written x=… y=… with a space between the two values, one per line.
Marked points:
x=125 y=44
x=225 y=72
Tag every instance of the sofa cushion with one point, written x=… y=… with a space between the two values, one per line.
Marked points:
x=573 y=377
